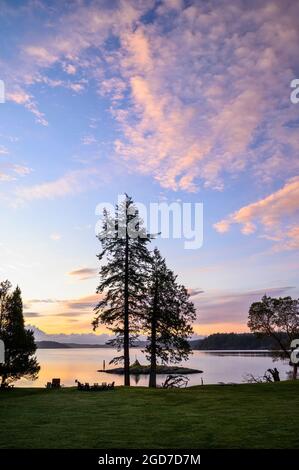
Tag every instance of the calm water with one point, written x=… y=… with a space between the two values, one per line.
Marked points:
x=82 y=364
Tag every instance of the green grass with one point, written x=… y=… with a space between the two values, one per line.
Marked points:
x=243 y=416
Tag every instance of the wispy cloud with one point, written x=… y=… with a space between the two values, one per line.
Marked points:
x=194 y=128
x=61 y=312
x=3 y=150
x=21 y=170
x=83 y=273
x=195 y=292
x=64 y=44
x=71 y=183
x=12 y=171
x=88 y=140
x=193 y=99
x=231 y=308
x=84 y=303
x=42 y=301
x=31 y=314
x=6 y=177
x=273 y=215
x=21 y=97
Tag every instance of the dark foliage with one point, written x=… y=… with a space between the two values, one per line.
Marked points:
x=123 y=285
x=19 y=342
x=235 y=341
x=168 y=317
x=278 y=319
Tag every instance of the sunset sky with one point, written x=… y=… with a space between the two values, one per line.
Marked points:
x=168 y=101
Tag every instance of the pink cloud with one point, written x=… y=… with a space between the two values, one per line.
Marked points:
x=200 y=94
x=71 y=183
x=41 y=55
x=19 y=96
x=231 y=308
x=201 y=91
x=274 y=214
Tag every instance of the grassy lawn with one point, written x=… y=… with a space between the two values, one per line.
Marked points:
x=243 y=416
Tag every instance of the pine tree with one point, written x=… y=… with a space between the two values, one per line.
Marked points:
x=5 y=287
x=168 y=318
x=123 y=278
x=19 y=342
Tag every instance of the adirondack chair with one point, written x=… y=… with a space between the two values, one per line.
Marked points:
x=56 y=383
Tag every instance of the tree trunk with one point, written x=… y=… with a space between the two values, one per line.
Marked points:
x=153 y=370
x=295 y=368
x=126 y=315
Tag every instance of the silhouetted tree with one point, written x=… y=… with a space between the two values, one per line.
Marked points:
x=168 y=317
x=19 y=342
x=123 y=278
x=278 y=319
x=5 y=287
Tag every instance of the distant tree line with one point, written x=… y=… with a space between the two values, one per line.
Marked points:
x=242 y=341
x=139 y=294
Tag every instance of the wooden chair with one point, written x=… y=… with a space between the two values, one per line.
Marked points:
x=56 y=383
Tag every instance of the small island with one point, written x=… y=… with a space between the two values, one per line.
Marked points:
x=139 y=369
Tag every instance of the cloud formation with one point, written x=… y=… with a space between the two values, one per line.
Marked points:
x=84 y=273
x=12 y=172
x=199 y=90
x=195 y=292
x=200 y=97
x=31 y=314
x=228 y=311
x=19 y=96
x=3 y=150
x=273 y=216
x=73 y=182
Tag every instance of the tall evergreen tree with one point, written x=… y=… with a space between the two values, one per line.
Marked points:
x=168 y=317
x=5 y=287
x=19 y=342
x=123 y=278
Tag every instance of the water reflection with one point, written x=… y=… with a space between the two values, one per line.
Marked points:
x=136 y=379
x=217 y=366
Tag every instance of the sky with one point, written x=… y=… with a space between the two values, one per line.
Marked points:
x=169 y=101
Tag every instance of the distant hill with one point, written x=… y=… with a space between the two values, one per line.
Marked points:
x=217 y=341
x=57 y=345
x=50 y=345
x=233 y=341
x=71 y=338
